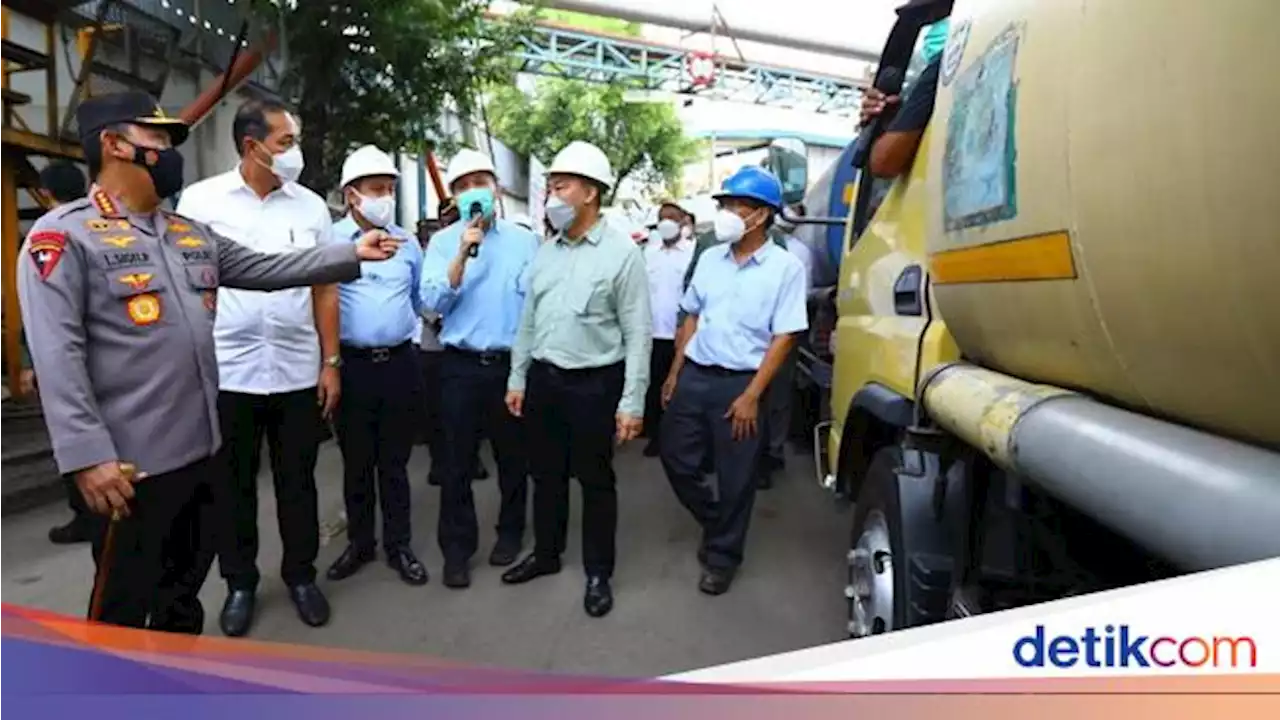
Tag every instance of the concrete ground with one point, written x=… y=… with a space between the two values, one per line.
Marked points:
x=788 y=596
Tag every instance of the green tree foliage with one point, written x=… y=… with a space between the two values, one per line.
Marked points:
x=384 y=72
x=644 y=140
x=591 y=23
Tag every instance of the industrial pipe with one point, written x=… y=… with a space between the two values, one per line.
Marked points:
x=433 y=169
x=693 y=23
x=241 y=68
x=1199 y=500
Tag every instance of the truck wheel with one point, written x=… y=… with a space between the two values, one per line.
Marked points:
x=895 y=579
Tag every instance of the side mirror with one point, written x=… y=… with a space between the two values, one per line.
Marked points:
x=789 y=160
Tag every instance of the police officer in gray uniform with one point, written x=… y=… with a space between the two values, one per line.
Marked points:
x=118 y=298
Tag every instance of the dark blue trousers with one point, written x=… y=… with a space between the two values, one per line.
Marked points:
x=473 y=388
x=693 y=423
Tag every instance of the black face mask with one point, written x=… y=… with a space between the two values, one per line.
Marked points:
x=163 y=165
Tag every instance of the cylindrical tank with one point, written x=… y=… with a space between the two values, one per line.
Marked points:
x=1106 y=178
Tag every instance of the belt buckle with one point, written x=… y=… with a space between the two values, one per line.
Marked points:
x=380 y=355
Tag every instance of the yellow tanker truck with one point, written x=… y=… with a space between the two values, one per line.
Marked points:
x=1057 y=359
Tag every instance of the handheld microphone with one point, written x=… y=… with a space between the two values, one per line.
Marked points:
x=476 y=210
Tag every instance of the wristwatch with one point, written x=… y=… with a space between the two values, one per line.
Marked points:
x=333 y=361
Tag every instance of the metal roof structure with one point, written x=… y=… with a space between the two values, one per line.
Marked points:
x=554 y=50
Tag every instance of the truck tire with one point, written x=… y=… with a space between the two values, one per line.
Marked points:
x=896 y=579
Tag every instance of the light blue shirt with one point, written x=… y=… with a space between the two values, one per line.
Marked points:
x=742 y=307
x=483 y=312
x=381 y=309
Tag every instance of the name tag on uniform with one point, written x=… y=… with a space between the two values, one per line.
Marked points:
x=116 y=260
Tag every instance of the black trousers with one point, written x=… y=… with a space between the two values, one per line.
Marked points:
x=571 y=426
x=693 y=422
x=472 y=406
x=161 y=553
x=291 y=424
x=660 y=359
x=381 y=403
x=432 y=427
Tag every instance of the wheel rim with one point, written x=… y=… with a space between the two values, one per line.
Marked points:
x=870 y=589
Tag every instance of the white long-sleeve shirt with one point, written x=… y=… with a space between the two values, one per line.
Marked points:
x=666 y=266
x=266 y=341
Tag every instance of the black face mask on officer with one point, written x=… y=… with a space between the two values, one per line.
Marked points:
x=163 y=165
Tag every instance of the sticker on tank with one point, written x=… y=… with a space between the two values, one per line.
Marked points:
x=979 y=166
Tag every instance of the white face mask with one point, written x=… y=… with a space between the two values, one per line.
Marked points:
x=288 y=165
x=729 y=227
x=379 y=211
x=669 y=229
x=560 y=213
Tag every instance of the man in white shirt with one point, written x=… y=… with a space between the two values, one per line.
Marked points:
x=277 y=361
x=667 y=262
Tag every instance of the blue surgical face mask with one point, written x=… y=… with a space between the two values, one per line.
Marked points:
x=935 y=40
x=480 y=199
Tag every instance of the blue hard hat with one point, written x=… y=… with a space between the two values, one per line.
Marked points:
x=753 y=183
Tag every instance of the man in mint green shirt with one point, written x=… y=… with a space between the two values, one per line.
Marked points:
x=579 y=369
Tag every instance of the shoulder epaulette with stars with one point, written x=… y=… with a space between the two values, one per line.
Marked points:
x=106 y=206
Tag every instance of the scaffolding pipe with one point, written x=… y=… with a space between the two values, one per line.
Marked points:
x=693 y=23
x=243 y=65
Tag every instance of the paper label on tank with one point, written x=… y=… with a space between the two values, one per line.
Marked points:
x=980 y=161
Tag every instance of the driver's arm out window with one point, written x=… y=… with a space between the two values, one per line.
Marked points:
x=894 y=151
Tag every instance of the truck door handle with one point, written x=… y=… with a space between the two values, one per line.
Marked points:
x=906 y=292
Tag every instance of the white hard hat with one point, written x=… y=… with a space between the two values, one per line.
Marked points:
x=466 y=162
x=585 y=160
x=367 y=161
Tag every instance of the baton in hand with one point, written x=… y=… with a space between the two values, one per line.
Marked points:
x=107 y=556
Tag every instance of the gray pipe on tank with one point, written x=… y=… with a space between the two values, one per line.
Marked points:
x=1199 y=500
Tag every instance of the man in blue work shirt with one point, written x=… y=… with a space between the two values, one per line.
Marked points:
x=473 y=275
x=745 y=305
x=381 y=400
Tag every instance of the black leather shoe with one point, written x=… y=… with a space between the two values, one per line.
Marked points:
x=504 y=553
x=76 y=531
x=313 y=608
x=403 y=561
x=598 y=600
x=528 y=569
x=716 y=581
x=457 y=576
x=237 y=613
x=350 y=562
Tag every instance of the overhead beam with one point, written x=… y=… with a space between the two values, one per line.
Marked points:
x=686 y=21
x=550 y=49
